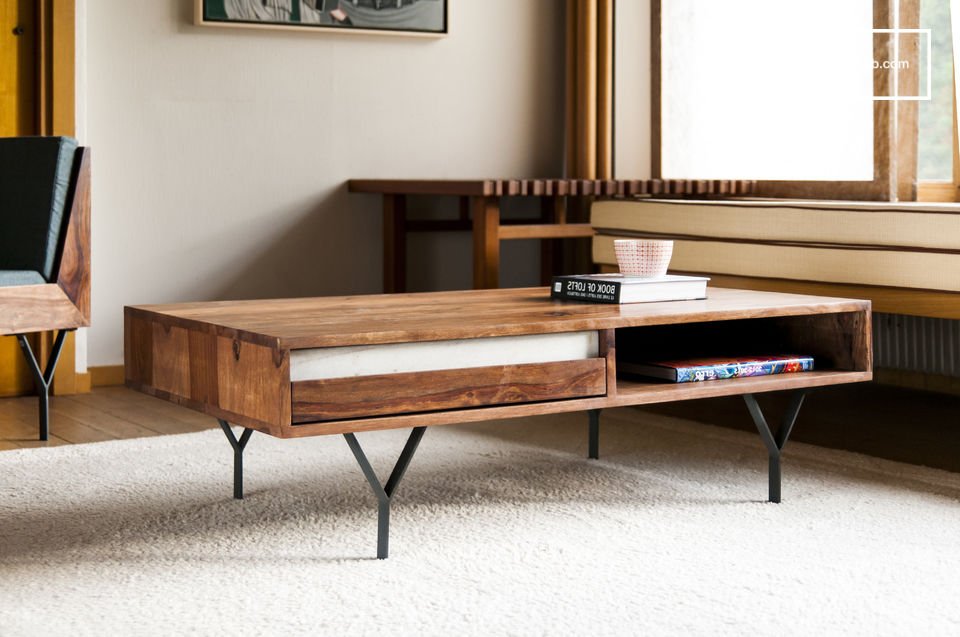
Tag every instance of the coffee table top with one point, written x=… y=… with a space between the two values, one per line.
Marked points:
x=302 y=323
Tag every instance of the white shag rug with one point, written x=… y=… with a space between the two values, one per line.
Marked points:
x=498 y=529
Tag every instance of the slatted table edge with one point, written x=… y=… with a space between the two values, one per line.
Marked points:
x=553 y=187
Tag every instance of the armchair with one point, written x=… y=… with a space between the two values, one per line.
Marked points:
x=44 y=247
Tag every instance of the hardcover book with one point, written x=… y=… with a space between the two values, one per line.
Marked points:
x=700 y=369
x=618 y=288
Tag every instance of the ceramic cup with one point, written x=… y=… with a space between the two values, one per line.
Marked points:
x=647 y=258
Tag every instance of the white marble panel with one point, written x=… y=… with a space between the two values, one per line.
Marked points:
x=395 y=358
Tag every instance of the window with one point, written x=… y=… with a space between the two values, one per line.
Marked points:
x=935 y=153
x=805 y=96
x=744 y=95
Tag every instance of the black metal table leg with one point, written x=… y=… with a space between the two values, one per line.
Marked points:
x=43 y=378
x=775 y=441
x=593 y=451
x=238 y=447
x=385 y=493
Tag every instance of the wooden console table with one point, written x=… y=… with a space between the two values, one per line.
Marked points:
x=342 y=365
x=480 y=213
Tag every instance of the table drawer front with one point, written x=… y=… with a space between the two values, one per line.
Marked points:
x=386 y=394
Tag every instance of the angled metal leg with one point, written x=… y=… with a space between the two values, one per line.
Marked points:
x=385 y=493
x=43 y=378
x=593 y=451
x=775 y=441
x=238 y=447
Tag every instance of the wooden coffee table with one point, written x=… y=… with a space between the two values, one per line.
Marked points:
x=343 y=365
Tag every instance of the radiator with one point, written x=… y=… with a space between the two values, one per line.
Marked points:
x=919 y=344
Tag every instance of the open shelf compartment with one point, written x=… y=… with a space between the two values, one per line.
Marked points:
x=838 y=342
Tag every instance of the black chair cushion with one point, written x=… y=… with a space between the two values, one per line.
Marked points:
x=34 y=184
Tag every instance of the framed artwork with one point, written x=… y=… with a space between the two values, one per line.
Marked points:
x=399 y=17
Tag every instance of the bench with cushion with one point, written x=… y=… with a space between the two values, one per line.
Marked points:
x=44 y=247
x=904 y=257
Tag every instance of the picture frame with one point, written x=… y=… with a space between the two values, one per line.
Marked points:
x=418 y=18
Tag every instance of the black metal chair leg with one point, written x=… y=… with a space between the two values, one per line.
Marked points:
x=43 y=378
x=775 y=441
x=385 y=493
x=238 y=447
x=593 y=451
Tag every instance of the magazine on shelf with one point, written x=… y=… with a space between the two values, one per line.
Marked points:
x=619 y=288
x=718 y=368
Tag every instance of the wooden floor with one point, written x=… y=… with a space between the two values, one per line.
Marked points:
x=898 y=424
x=108 y=413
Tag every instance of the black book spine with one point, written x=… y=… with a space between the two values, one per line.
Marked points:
x=576 y=289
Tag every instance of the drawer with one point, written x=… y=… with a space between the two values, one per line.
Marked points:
x=416 y=392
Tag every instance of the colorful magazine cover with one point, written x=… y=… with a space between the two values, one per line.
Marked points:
x=700 y=369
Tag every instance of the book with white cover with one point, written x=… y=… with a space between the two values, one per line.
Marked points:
x=619 y=288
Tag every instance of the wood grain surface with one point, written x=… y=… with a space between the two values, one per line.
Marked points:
x=25 y=309
x=486 y=243
x=246 y=383
x=364 y=320
x=628 y=393
x=608 y=350
x=365 y=396
x=65 y=303
x=836 y=341
x=73 y=273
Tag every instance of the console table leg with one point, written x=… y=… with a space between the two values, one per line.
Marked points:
x=385 y=493
x=394 y=243
x=238 y=447
x=594 y=443
x=775 y=441
x=43 y=378
x=486 y=243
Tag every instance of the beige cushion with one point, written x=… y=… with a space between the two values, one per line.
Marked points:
x=908 y=246
x=831 y=223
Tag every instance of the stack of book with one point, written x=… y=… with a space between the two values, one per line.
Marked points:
x=619 y=288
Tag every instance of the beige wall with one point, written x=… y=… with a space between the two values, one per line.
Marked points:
x=220 y=155
x=632 y=80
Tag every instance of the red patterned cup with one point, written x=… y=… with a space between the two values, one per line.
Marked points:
x=647 y=258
